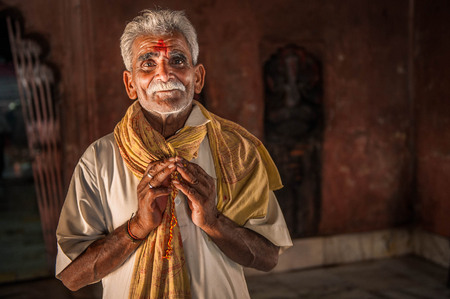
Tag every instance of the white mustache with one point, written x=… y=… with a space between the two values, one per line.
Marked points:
x=165 y=86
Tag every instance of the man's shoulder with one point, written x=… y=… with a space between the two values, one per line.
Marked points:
x=102 y=147
x=107 y=140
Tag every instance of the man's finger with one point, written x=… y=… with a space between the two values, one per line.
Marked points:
x=195 y=176
x=192 y=171
x=187 y=174
x=202 y=186
x=154 y=167
x=159 y=191
x=150 y=194
x=159 y=178
x=189 y=191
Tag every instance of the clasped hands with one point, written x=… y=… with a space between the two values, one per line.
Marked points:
x=157 y=184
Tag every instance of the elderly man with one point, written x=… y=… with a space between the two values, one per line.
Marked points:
x=176 y=201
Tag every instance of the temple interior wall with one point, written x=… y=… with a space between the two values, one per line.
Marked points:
x=385 y=159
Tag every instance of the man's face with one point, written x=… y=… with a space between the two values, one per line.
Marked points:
x=163 y=77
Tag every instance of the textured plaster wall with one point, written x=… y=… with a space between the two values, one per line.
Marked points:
x=368 y=154
x=432 y=97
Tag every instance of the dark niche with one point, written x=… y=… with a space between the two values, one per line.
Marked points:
x=293 y=134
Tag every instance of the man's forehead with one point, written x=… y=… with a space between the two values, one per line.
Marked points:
x=175 y=41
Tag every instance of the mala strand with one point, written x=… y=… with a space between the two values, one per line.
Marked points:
x=173 y=218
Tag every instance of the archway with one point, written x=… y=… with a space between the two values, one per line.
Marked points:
x=33 y=156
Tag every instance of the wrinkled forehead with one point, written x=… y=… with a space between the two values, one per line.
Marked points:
x=161 y=45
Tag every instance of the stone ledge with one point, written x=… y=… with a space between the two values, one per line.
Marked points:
x=432 y=247
x=350 y=248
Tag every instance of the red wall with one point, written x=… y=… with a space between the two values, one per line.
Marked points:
x=432 y=97
x=370 y=177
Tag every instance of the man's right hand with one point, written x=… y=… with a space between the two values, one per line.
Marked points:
x=104 y=255
x=153 y=192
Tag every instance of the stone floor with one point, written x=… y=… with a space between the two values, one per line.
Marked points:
x=405 y=277
x=22 y=249
x=398 y=278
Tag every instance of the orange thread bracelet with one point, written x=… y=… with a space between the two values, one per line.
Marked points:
x=130 y=234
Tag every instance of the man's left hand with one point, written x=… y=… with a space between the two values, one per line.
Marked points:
x=240 y=244
x=200 y=190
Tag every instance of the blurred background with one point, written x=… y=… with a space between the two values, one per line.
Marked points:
x=352 y=99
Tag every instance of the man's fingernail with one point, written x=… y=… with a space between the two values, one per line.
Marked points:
x=171 y=166
x=175 y=182
x=172 y=159
x=180 y=165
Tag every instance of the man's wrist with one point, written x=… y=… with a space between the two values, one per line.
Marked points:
x=134 y=230
x=212 y=226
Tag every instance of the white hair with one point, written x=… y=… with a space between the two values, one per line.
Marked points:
x=157 y=22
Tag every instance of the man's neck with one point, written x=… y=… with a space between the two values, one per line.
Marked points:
x=167 y=124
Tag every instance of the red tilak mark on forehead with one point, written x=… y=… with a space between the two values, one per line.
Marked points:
x=161 y=46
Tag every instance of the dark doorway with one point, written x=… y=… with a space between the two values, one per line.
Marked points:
x=22 y=249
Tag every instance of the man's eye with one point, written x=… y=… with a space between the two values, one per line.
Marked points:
x=148 y=64
x=177 y=61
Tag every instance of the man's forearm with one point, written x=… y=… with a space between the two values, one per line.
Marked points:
x=242 y=245
x=99 y=259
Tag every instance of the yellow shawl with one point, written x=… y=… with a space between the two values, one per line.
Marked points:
x=245 y=174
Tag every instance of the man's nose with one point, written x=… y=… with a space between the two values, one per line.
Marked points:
x=163 y=72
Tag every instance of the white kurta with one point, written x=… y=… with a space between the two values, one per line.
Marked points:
x=102 y=196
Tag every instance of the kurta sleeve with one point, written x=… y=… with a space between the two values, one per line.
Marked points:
x=273 y=226
x=82 y=219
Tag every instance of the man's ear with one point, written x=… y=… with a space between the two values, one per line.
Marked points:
x=200 y=73
x=129 y=85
